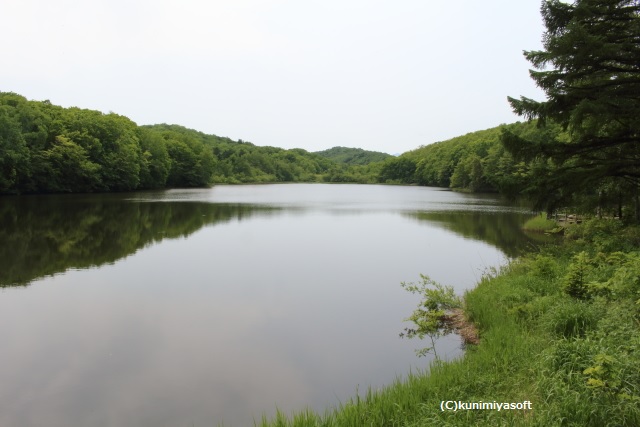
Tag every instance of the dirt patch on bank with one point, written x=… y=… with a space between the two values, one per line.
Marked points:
x=459 y=323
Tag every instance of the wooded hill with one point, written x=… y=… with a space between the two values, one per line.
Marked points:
x=353 y=156
x=46 y=148
x=477 y=161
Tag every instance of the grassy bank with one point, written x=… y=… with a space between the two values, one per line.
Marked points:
x=540 y=224
x=559 y=328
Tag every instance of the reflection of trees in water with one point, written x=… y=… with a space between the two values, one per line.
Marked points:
x=46 y=235
x=500 y=229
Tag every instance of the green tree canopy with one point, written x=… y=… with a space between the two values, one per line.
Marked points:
x=353 y=156
x=14 y=161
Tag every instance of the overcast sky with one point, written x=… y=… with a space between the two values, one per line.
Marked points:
x=377 y=74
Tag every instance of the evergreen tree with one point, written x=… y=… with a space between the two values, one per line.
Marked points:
x=590 y=72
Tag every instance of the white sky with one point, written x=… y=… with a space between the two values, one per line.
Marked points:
x=377 y=74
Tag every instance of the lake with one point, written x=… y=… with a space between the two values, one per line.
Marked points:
x=197 y=307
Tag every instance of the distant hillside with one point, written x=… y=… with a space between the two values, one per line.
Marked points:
x=353 y=156
x=477 y=161
x=45 y=148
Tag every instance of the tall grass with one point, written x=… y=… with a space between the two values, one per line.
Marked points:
x=540 y=224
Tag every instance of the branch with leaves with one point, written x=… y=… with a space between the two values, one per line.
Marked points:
x=432 y=317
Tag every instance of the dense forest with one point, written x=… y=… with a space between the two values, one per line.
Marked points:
x=353 y=156
x=46 y=148
x=477 y=161
x=50 y=149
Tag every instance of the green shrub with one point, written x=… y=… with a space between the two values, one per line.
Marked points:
x=625 y=281
x=605 y=235
x=575 y=280
x=430 y=318
x=545 y=266
x=540 y=224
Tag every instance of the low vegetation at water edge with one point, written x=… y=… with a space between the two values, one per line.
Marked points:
x=540 y=224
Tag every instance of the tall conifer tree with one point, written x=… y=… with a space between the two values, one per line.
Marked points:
x=590 y=72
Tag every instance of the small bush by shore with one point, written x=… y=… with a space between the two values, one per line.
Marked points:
x=540 y=224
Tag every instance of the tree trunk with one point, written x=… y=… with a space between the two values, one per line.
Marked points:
x=620 y=206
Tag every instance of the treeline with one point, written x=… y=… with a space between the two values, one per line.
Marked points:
x=242 y=162
x=353 y=165
x=46 y=148
x=353 y=156
x=477 y=162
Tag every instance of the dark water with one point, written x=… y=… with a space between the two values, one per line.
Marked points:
x=196 y=307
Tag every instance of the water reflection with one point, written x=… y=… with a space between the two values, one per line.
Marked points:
x=50 y=234
x=45 y=235
x=502 y=229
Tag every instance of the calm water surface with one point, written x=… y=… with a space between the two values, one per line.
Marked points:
x=196 y=307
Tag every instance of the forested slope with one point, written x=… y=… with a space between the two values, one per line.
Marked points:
x=353 y=156
x=477 y=161
x=243 y=162
x=45 y=148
